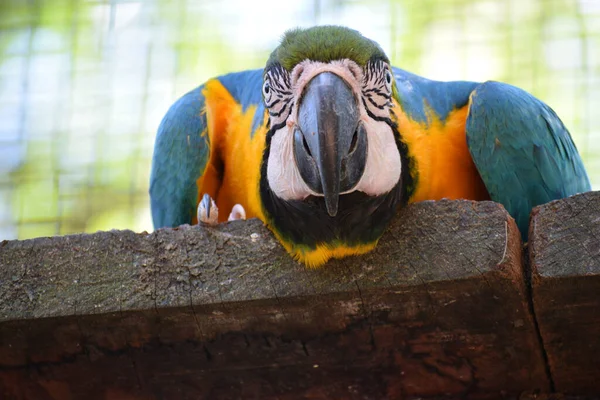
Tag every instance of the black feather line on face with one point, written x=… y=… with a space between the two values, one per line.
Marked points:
x=274 y=103
x=279 y=82
x=375 y=86
x=381 y=107
x=361 y=219
x=387 y=120
x=377 y=92
x=277 y=114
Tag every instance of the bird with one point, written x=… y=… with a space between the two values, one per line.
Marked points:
x=329 y=140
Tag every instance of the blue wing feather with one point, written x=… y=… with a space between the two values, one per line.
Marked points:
x=246 y=88
x=416 y=92
x=181 y=152
x=522 y=150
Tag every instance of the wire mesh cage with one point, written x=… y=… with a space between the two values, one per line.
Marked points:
x=84 y=85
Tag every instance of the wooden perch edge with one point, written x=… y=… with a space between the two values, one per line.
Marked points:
x=440 y=308
x=565 y=265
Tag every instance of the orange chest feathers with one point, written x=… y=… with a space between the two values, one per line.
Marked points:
x=442 y=166
x=233 y=171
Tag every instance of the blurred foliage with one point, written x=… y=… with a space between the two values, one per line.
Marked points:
x=84 y=84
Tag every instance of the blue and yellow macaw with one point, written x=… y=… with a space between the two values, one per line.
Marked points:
x=328 y=140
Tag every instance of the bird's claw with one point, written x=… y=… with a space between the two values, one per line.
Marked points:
x=237 y=212
x=208 y=212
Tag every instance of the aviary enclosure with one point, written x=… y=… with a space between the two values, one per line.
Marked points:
x=86 y=83
x=451 y=304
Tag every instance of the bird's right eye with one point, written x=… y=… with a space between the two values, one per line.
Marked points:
x=266 y=89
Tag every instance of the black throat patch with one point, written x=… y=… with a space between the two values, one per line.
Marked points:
x=361 y=219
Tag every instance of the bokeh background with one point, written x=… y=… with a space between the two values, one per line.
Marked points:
x=84 y=84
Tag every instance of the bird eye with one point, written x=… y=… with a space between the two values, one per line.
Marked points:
x=388 y=80
x=266 y=89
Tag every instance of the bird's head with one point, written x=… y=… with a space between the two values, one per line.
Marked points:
x=332 y=151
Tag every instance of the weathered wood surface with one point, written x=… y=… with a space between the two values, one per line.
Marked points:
x=439 y=309
x=565 y=263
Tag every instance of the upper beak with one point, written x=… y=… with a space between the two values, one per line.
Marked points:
x=330 y=145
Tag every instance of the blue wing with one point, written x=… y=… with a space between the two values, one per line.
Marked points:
x=181 y=152
x=522 y=150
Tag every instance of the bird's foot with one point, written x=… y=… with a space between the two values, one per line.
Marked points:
x=208 y=212
x=237 y=212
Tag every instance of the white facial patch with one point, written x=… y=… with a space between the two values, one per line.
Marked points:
x=383 y=165
x=282 y=173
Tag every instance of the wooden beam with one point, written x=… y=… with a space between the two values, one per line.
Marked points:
x=565 y=263
x=440 y=308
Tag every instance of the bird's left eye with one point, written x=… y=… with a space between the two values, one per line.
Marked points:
x=388 y=80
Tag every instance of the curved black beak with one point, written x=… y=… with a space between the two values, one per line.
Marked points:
x=330 y=145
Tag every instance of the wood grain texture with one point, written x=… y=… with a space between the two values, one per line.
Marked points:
x=565 y=265
x=439 y=309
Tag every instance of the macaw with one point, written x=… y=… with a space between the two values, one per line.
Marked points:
x=328 y=140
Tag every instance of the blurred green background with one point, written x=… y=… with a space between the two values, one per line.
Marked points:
x=84 y=84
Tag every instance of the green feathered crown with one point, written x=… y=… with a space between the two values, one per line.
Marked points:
x=325 y=44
